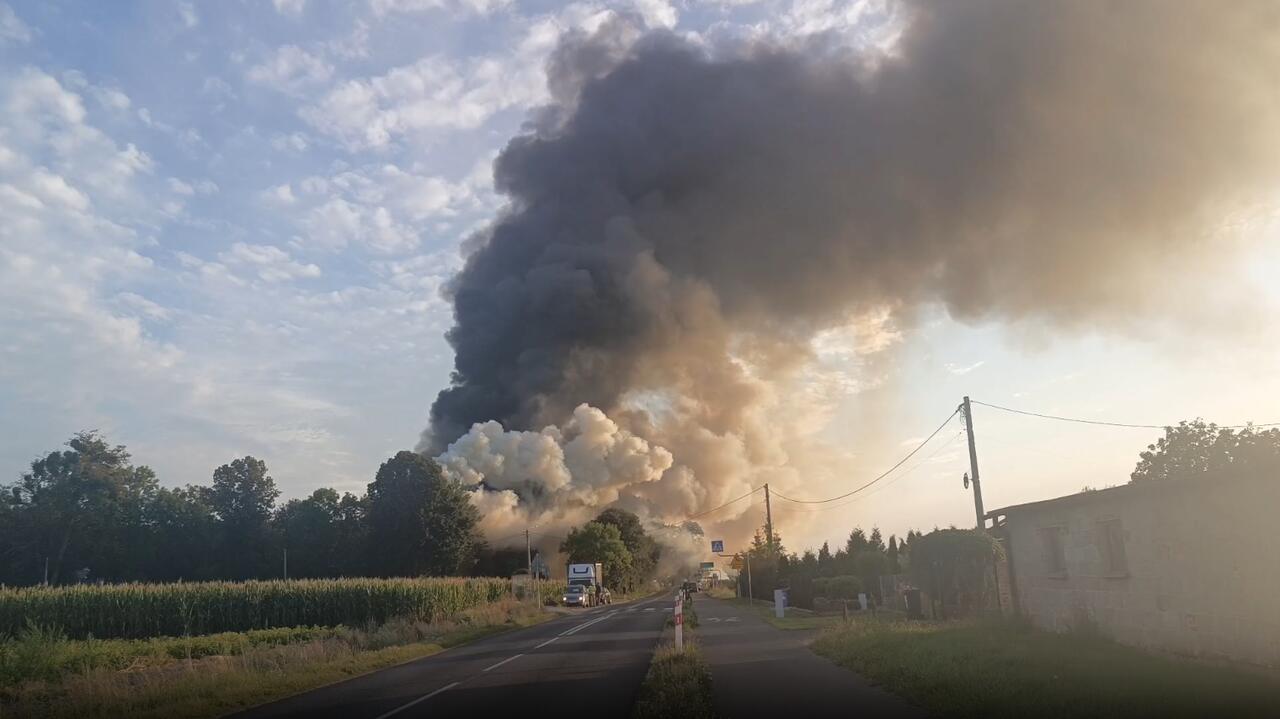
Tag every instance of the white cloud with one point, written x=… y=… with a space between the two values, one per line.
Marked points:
x=480 y=7
x=187 y=12
x=290 y=70
x=181 y=188
x=384 y=208
x=111 y=98
x=960 y=370
x=294 y=141
x=657 y=13
x=436 y=93
x=270 y=263
x=292 y=8
x=12 y=29
x=142 y=306
x=279 y=195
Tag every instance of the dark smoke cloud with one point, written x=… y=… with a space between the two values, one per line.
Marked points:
x=685 y=218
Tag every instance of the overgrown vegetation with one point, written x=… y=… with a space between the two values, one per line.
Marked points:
x=954 y=566
x=1008 y=669
x=678 y=683
x=134 y=611
x=210 y=676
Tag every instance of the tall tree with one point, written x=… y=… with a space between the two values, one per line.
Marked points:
x=876 y=542
x=420 y=522
x=80 y=508
x=857 y=542
x=184 y=535
x=243 y=497
x=644 y=551
x=599 y=542
x=1197 y=449
x=309 y=530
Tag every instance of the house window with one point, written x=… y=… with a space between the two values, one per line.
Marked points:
x=1055 y=556
x=1111 y=546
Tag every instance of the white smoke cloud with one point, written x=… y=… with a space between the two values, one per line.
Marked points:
x=553 y=479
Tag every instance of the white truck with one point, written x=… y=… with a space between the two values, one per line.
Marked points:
x=589 y=576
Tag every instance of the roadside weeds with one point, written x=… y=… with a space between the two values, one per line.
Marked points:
x=1004 y=668
x=678 y=684
x=217 y=684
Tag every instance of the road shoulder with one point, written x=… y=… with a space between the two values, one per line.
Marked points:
x=760 y=670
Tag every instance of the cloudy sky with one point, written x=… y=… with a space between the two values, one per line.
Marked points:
x=225 y=227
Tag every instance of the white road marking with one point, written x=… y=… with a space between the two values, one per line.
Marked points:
x=552 y=639
x=422 y=698
x=584 y=625
x=504 y=661
x=649 y=609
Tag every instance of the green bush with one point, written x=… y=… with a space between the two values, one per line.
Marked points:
x=845 y=586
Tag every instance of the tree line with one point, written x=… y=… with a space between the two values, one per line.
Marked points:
x=87 y=513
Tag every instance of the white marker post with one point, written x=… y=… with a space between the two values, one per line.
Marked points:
x=679 y=615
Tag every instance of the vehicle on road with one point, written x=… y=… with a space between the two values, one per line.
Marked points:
x=591 y=577
x=577 y=595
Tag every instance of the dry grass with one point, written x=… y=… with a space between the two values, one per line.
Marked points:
x=1007 y=669
x=678 y=685
x=214 y=685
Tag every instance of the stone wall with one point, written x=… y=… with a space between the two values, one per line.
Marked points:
x=1201 y=566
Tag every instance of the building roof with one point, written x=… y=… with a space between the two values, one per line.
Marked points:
x=1098 y=495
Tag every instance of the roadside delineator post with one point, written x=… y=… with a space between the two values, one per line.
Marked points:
x=679 y=619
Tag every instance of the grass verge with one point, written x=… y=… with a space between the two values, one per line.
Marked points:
x=678 y=683
x=1007 y=669
x=216 y=684
x=796 y=618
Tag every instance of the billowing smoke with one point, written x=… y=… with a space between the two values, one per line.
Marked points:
x=686 y=218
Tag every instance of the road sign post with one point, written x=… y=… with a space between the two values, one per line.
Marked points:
x=679 y=620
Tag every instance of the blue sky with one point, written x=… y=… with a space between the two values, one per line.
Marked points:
x=227 y=225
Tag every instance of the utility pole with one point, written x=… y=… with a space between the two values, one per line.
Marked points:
x=973 y=464
x=768 y=517
x=46 y=570
x=528 y=556
x=286 y=563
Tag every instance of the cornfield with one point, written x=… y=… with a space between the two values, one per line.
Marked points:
x=136 y=611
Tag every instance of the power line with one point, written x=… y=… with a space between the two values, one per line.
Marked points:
x=903 y=475
x=1109 y=424
x=886 y=473
x=726 y=504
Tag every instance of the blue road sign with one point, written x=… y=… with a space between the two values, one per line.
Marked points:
x=717 y=545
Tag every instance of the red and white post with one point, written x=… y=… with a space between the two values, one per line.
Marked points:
x=679 y=619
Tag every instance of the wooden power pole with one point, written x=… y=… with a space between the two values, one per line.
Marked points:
x=768 y=518
x=973 y=464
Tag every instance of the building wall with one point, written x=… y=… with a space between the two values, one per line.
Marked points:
x=1203 y=567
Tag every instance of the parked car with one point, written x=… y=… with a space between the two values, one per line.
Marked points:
x=576 y=596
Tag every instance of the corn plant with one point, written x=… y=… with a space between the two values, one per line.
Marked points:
x=135 y=611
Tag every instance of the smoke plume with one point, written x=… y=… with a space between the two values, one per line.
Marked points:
x=685 y=219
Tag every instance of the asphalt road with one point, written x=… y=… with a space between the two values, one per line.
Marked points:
x=758 y=670
x=594 y=660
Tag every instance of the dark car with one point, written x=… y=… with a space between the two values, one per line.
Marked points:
x=576 y=596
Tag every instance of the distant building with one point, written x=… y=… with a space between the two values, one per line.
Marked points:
x=1180 y=566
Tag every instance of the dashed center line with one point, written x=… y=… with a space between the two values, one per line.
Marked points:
x=567 y=632
x=504 y=661
x=422 y=698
